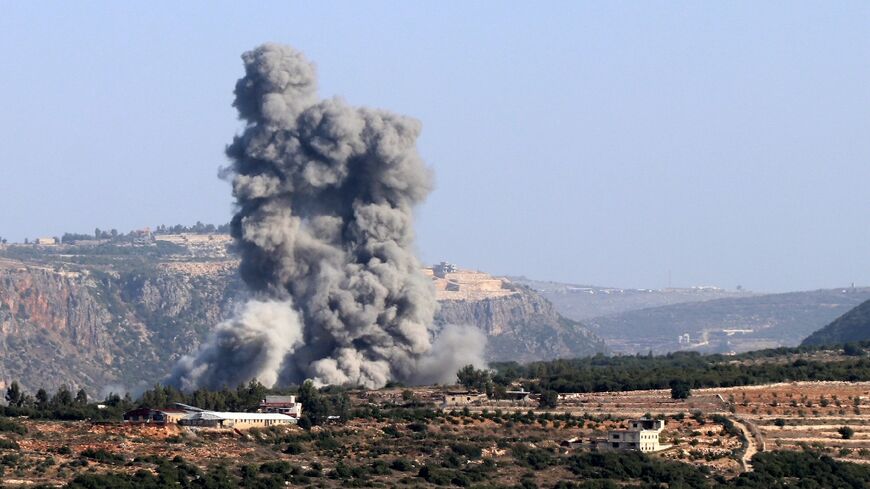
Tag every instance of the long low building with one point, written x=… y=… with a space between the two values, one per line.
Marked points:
x=156 y=416
x=239 y=421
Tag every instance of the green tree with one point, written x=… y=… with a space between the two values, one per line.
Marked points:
x=41 y=399
x=313 y=405
x=680 y=389
x=14 y=397
x=250 y=395
x=853 y=350
x=81 y=397
x=62 y=398
x=475 y=379
x=549 y=399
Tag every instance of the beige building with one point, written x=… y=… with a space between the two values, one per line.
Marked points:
x=452 y=399
x=156 y=416
x=642 y=435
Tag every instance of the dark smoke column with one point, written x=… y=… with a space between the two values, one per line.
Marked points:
x=325 y=194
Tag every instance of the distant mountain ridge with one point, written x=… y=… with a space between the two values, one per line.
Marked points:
x=705 y=319
x=727 y=325
x=584 y=302
x=851 y=326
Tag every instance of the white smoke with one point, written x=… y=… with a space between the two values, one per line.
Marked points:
x=251 y=345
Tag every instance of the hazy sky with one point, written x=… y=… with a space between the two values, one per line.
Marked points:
x=604 y=143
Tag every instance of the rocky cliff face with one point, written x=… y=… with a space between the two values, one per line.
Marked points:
x=119 y=323
x=105 y=331
x=522 y=326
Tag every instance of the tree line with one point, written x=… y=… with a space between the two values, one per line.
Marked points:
x=684 y=370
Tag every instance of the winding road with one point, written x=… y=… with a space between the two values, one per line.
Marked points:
x=751 y=446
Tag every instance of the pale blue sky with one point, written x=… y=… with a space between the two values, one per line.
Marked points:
x=591 y=142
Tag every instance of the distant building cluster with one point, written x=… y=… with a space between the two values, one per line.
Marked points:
x=272 y=411
x=471 y=398
x=443 y=268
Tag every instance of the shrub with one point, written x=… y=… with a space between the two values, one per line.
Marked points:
x=401 y=465
x=10 y=426
x=417 y=427
x=293 y=449
x=846 y=432
x=8 y=445
x=103 y=456
x=275 y=467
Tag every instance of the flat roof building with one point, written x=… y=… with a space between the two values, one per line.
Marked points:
x=643 y=435
x=281 y=405
x=239 y=421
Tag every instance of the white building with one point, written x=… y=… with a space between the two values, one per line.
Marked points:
x=281 y=405
x=239 y=421
x=643 y=435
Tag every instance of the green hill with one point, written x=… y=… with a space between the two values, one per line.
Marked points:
x=852 y=326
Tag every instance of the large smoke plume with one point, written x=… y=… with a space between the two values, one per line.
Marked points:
x=325 y=194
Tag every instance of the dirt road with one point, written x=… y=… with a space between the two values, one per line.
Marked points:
x=751 y=444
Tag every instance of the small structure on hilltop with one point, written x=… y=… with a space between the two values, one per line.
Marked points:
x=238 y=421
x=281 y=405
x=443 y=268
x=643 y=435
x=45 y=241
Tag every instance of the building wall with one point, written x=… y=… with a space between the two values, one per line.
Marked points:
x=238 y=424
x=463 y=399
x=642 y=440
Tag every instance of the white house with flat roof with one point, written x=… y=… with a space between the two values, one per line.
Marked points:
x=642 y=435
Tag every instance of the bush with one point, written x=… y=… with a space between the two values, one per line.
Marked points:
x=293 y=449
x=276 y=467
x=417 y=427
x=466 y=450
x=846 y=432
x=103 y=456
x=10 y=426
x=401 y=465
x=8 y=445
x=549 y=399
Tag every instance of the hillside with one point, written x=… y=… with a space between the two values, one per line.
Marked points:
x=852 y=326
x=115 y=316
x=726 y=325
x=583 y=302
